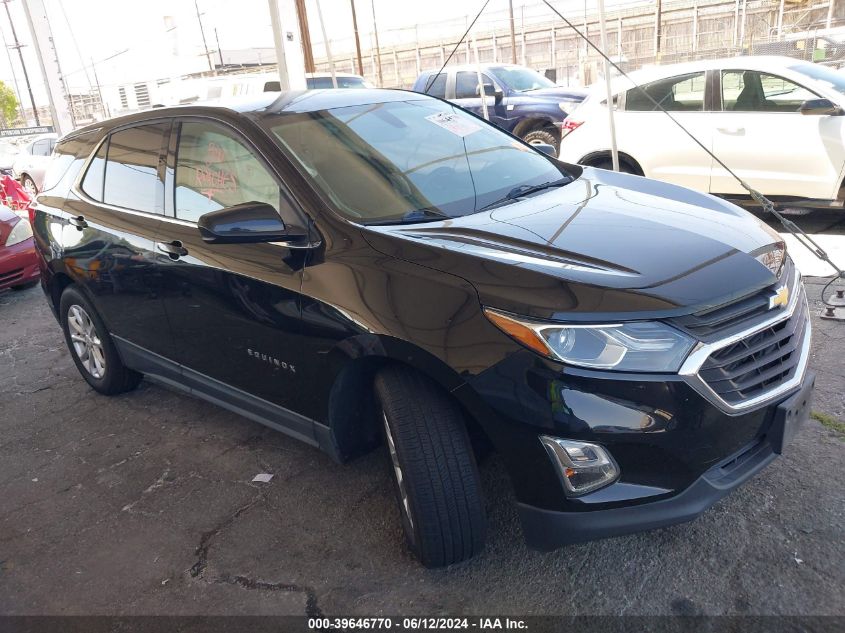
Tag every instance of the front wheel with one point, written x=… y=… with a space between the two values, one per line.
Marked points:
x=91 y=346
x=535 y=137
x=29 y=185
x=434 y=470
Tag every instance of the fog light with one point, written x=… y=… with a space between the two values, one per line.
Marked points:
x=583 y=467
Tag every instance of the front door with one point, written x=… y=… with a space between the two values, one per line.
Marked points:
x=761 y=135
x=468 y=96
x=234 y=308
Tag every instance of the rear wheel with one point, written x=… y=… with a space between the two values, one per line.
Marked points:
x=434 y=470
x=91 y=346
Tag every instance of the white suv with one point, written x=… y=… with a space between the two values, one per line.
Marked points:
x=776 y=121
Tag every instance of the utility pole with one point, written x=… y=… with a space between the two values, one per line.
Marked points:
x=378 y=50
x=658 y=27
x=326 y=44
x=202 y=32
x=305 y=35
x=14 y=74
x=99 y=91
x=48 y=61
x=513 y=34
x=18 y=46
x=219 y=50
x=281 y=59
x=357 y=40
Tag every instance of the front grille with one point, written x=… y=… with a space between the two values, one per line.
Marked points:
x=715 y=323
x=761 y=361
x=12 y=275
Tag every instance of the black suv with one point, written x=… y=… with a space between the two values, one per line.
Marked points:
x=360 y=267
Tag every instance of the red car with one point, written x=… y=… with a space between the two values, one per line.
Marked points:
x=18 y=261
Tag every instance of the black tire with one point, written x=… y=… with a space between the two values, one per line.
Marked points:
x=25 y=286
x=434 y=470
x=607 y=163
x=29 y=184
x=542 y=136
x=115 y=377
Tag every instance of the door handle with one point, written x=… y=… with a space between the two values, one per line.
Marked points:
x=79 y=222
x=174 y=249
x=733 y=131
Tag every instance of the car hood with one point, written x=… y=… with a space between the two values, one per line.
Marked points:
x=606 y=244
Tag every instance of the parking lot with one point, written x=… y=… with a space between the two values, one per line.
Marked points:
x=144 y=504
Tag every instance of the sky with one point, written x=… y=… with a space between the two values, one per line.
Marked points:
x=126 y=39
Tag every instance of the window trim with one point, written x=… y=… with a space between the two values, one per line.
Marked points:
x=176 y=132
x=76 y=188
x=721 y=71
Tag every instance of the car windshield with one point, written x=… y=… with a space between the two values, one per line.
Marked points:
x=317 y=83
x=830 y=78
x=522 y=79
x=413 y=160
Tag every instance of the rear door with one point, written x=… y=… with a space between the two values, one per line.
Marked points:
x=663 y=150
x=110 y=231
x=761 y=135
x=234 y=308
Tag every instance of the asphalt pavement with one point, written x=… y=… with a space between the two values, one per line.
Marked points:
x=144 y=504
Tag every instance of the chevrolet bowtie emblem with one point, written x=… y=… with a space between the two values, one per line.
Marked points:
x=780 y=298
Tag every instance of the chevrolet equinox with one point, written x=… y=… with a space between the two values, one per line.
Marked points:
x=361 y=267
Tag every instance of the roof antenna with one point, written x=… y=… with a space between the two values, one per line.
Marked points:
x=767 y=205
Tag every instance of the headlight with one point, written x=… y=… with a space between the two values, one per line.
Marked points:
x=22 y=231
x=636 y=346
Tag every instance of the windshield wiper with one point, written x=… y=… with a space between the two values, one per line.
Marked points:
x=526 y=190
x=426 y=214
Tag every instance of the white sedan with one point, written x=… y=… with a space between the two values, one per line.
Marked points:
x=776 y=121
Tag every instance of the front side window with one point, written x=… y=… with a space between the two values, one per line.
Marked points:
x=215 y=170
x=753 y=91
x=131 y=171
x=466 y=84
x=684 y=93
x=385 y=162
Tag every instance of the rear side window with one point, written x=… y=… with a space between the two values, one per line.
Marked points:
x=41 y=148
x=132 y=168
x=215 y=170
x=684 y=93
x=92 y=183
x=69 y=157
x=436 y=85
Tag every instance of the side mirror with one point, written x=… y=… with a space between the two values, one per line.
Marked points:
x=820 y=107
x=490 y=90
x=545 y=148
x=250 y=222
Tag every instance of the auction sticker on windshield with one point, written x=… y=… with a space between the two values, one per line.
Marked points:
x=455 y=124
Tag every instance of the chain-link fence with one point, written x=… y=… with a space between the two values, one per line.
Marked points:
x=686 y=30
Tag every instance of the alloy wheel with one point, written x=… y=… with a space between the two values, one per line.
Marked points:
x=86 y=342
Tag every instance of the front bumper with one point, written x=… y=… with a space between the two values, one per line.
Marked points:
x=547 y=529
x=18 y=264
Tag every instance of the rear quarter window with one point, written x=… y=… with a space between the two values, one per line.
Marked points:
x=70 y=155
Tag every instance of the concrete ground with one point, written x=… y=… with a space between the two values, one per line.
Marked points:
x=143 y=504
